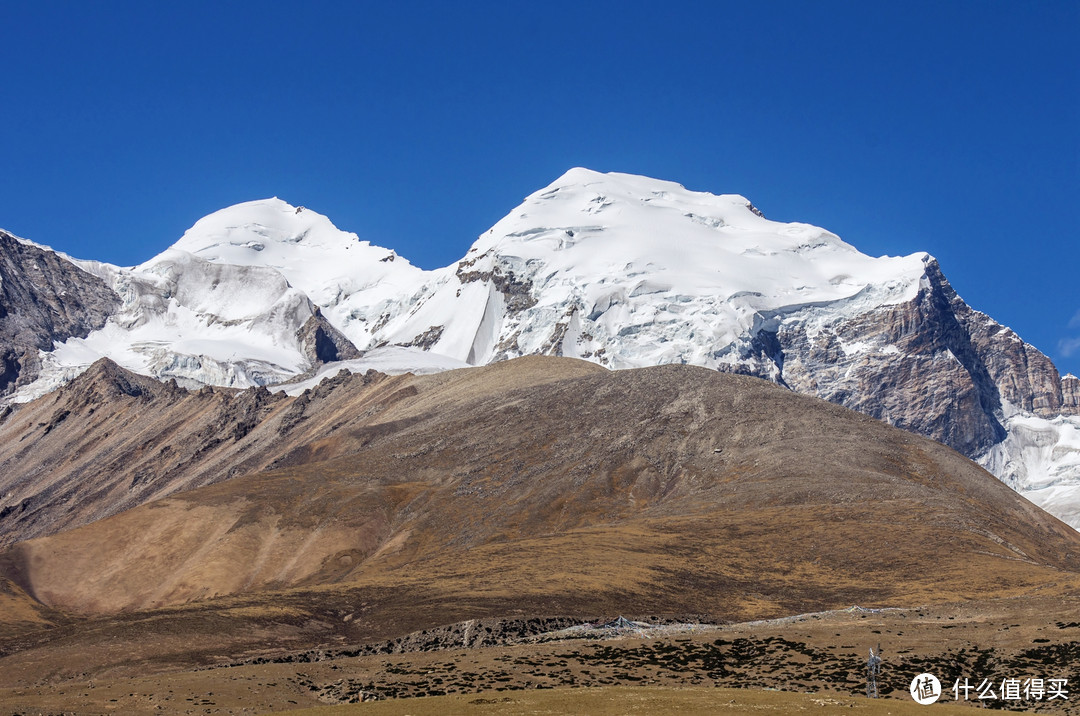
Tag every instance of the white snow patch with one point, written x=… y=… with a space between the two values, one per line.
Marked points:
x=1040 y=458
x=391 y=360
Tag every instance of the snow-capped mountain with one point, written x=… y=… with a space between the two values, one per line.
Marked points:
x=350 y=279
x=621 y=270
x=199 y=322
x=630 y=272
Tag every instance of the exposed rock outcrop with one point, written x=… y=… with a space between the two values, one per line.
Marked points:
x=1070 y=394
x=322 y=343
x=931 y=365
x=44 y=299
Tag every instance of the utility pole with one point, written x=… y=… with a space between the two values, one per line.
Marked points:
x=873 y=668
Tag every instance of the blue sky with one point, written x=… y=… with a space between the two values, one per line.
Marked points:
x=947 y=127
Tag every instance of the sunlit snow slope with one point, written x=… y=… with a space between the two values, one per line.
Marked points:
x=1040 y=458
x=350 y=279
x=629 y=271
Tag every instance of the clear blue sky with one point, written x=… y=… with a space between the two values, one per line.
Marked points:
x=947 y=127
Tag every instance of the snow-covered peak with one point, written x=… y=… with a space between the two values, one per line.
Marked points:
x=631 y=271
x=303 y=245
x=636 y=230
x=241 y=234
x=350 y=279
x=636 y=186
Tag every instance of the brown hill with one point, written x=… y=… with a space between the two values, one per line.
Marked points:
x=546 y=485
x=112 y=440
x=19 y=612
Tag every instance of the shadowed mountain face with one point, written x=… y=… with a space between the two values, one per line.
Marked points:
x=43 y=299
x=112 y=440
x=546 y=485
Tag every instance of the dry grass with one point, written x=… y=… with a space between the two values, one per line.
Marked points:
x=814 y=661
x=616 y=701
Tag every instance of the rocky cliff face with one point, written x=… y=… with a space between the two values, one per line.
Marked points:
x=321 y=343
x=1070 y=394
x=1027 y=380
x=44 y=299
x=912 y=364
x=931 y=365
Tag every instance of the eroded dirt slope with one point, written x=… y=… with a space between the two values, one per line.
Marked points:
x=112 y=440
x=546 y=486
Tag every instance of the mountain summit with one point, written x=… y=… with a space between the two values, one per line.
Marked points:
x=629 y=271
x=621 y=270
x=334 y=268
